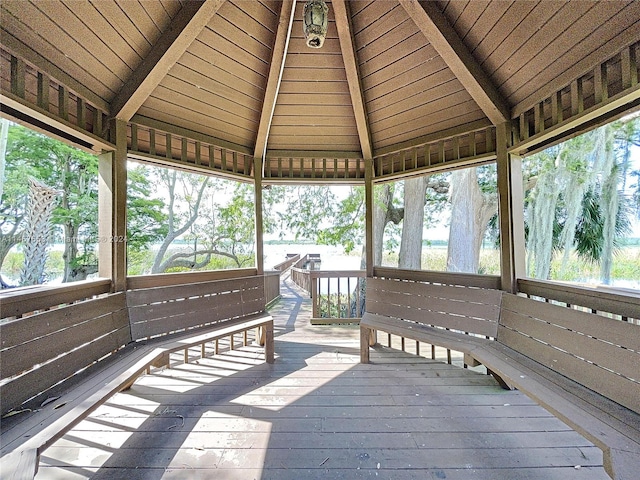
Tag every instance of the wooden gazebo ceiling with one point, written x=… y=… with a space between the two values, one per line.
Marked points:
x=236 y=75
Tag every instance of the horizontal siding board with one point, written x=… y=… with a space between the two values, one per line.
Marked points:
x=445 y=278
x=190 y=319
x=173 y=279
x=612 y=331
x=23 y=357
x=163 y=294
x=606 y=383
x=15 y=392
x=18 y=332
x=488 y=297
x=596 y=298
x=187 y=306
x=438 y=319
x=19 y=302
x=619 y=360
x=428 y=303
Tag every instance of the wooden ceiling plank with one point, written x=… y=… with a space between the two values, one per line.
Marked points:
x=276 y=68
x=347 y=45
x=44 y=64
x=445 y=40
x=190 y=134
x=171 y=45
x=562 y=71
x=434 y=137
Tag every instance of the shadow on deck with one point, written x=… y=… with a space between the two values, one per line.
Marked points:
x=319 y=413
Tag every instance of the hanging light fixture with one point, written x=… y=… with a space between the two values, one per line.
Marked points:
x=316 y=18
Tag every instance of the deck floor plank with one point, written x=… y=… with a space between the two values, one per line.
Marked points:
x=318 y=413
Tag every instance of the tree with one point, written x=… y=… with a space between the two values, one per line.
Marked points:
x=471 y=210
x=581 y=182
x=410 y=255
x=37 y=232
x=205 y=219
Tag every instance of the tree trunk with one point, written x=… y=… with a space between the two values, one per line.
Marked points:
x=470 y=215
x=4 y=134
x=411 y=243
x=37 y=232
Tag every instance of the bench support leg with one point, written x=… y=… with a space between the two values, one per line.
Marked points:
x=500 y=380
x=620 y=464
x=269 y=348
x=365 y=340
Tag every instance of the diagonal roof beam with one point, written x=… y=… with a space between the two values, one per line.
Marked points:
x=171 y=45
x=347 y=46
x=280 y=47
x=447 y=43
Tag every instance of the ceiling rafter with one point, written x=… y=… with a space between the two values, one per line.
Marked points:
x=464 y=66
x=171 y=45
x=278 y=55
x=347 y=46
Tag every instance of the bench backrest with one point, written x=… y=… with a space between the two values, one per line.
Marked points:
x=163 y=310
x=600 y=353
x=465 y=309
x=61 y=341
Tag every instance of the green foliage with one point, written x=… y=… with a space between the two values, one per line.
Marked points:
x=146 y=221
x=582 y=181
x=315 y=213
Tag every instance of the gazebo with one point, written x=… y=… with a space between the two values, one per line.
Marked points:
x=397 y=89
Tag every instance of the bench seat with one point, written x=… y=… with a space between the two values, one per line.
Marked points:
x=23 y=441
x=538 y=349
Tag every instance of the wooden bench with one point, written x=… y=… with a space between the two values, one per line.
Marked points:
x=211 y=311
x=582 y=367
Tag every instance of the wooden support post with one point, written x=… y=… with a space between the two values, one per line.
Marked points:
x=269 y=347
x=18 y=73
x=245 y=338
x=203 y=350
x=43 y=91
x=231 y=344
x=257 y=179
x=365 y=337
x=511 y=210
x=112 y=210
x=433 y=352
x=216 y=349
x=368 y=188
x=186 y=355
x=315 y=298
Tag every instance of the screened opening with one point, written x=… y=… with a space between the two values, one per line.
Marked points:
x=180 y=221
x=444 y=222
x=582 y=208
x=49 y=209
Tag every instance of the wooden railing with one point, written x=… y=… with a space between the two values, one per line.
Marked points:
x=271 y=286
x=19 y=302
x=337 y=296
x=290 y=261
x=615 y=303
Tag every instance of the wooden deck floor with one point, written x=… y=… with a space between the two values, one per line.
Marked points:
x=318 y=413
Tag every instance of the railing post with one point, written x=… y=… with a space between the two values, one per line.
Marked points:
x=314 y=294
